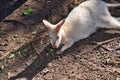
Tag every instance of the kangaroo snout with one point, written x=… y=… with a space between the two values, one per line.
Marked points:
x=54 y=46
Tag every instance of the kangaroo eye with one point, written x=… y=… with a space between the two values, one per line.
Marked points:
x=50 y=37
x=57 y=37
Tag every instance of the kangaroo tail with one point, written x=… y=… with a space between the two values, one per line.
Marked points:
x=113 y=5
x=118 y=18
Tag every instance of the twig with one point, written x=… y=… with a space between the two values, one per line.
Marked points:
x=107 y=41
x=117 y=62
x=100 y=44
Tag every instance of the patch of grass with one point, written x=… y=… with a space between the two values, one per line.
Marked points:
x=52 y=53
x=28 y=11
x=11 y=56
x=4 y=62
x=18 y=53
x=15 y=36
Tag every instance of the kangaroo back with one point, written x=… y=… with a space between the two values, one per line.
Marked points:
x=80 y=23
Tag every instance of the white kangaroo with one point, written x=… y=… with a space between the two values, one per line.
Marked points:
x=82 y=21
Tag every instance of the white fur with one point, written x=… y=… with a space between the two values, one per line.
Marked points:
x=82 y=21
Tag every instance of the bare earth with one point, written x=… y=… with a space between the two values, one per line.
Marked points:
x=25 y=51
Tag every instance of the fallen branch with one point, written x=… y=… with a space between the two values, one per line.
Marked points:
x=100 y=44
x=107 y=41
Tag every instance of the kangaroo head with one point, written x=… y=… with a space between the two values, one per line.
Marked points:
x=54 y=32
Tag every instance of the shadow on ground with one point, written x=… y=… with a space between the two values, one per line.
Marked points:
x=8 y=6
x=44 y=10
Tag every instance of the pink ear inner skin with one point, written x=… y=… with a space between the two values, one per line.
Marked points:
x=60 y=25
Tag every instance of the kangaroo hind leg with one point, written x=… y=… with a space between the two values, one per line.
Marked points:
x=113 y=5
x=110 y=22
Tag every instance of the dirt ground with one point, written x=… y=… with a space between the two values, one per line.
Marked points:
x=25 y=51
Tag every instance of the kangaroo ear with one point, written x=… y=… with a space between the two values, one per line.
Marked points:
x=47 y=24
x=59 y=25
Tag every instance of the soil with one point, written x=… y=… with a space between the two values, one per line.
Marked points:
x=25 y=51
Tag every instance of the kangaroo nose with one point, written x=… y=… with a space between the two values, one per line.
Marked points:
x=54 y=46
